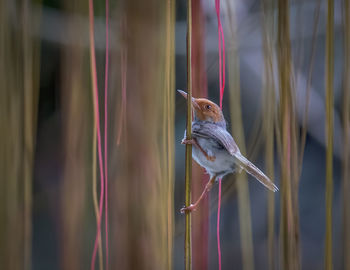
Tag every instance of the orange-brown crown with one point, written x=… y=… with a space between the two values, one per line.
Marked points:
x=204 y=109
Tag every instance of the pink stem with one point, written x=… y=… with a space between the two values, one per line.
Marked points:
x=97 y=119
x=106 y=118
x=218 y=225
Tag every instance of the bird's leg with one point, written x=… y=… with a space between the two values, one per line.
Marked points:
x=194 y=206
x=195 y=143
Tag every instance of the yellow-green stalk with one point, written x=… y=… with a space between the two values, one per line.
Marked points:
x=346 y=136
x=329 y=132
x=245 y=223
x=188 y=173
x=269 y=105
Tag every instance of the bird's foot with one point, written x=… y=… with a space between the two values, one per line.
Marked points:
x=188 y=209
x=195 y=143
x=185 y=141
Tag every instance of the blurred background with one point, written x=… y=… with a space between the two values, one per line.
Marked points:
x=286 y=102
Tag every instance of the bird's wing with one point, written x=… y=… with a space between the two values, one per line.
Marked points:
x=220 y=134
x=212 y=131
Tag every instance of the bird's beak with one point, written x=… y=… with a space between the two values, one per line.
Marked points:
x=194 y=103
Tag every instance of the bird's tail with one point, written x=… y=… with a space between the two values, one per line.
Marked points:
x=254 y=171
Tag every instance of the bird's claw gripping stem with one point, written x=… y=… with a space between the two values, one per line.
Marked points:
x=194 y=142
x=193 y=207
x=189 y=209
x=186 y=141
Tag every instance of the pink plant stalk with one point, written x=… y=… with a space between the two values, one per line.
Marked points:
x=218 y=225
x=97 y=120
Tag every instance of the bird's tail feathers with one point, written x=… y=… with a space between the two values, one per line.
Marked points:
x=254 y=171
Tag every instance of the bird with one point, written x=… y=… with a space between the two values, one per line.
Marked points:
x=214 y=148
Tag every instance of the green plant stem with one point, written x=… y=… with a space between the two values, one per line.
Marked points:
x=289 y=225
x=329 y=133
x=245 y=222
x=269 y=122
x=188 y=251
x=169 y=124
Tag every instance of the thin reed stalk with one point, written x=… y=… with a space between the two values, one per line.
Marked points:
x=346 y=138
x=170 y=124
x=142 y=179
x=119 y=65
x=75 y=126
x=289 y=225
x=188 y=167
x=106 y=131
x=245 y=222
x=31 y=60
x=19 y=73
x=329 y=132
x=166 y=150
x=269 y=111
x=170 y=77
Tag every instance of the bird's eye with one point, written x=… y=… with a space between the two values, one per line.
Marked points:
x=208 y=107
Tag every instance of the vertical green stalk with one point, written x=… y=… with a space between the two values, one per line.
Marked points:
x=75 y=123
x=285 y=121
x=28 y=135
x=289 y=225
x=31 y=58
x=188 y=251
x=329 y=133
x=143 y=213
x=19 y=54
x=245 y=223
x=169 y=125
x=346 y=136
x=269 y=122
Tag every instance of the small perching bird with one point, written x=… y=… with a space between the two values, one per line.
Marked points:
x=215 y=149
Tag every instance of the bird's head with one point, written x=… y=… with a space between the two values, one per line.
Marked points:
x=205 y=110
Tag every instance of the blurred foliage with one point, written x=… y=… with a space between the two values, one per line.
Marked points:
x=18 y=104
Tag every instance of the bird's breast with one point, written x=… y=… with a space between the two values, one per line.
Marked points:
x=223 y=163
